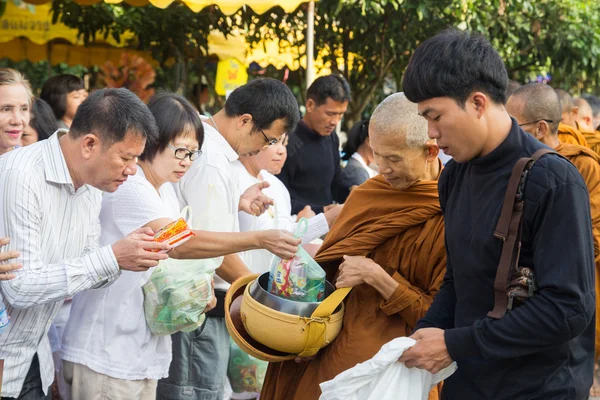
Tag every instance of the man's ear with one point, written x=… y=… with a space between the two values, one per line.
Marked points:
x=243 y=120
x=89 y=144
x=432 y=150
x=542 y=129
x=480 y=101
x=310 y=105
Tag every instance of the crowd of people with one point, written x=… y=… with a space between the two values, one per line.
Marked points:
x=405 y=215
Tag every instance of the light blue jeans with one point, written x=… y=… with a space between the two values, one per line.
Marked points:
x=199 y=367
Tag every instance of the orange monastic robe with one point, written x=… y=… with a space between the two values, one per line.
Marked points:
x=588 y=164
x=568 y=134
x=401 y=230
x=592 y=139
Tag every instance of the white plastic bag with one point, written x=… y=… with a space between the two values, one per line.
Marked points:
x=384 y=378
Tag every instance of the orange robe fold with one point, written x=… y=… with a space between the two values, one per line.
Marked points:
x=588 y=164
x=569 y=135
x=401 y=230
x=592 y=139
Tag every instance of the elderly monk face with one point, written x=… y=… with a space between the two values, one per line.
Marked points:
x=401 y=165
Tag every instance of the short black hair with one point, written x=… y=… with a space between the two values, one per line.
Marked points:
x=332 y=87
x=174 y=116
x=55 y=91
x=356 y=137
x=42 y=119
x=111 y=113
x=267 y=100
x=455 y=64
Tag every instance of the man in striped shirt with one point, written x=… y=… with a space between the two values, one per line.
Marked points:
x=50 y=196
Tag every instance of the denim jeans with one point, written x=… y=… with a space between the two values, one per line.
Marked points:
x=32 y=387
x=199 y=367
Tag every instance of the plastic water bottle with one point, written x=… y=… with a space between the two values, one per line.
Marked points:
x=3 y=318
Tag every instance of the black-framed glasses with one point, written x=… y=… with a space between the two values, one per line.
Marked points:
x=181 y=153
x=270 y=142
x=535 y=122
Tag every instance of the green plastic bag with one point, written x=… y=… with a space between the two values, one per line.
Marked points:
x=246 y=374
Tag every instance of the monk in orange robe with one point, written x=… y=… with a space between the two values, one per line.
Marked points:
x=387 y=244
x=537 y=102
x=567 y=128
x=585 y=123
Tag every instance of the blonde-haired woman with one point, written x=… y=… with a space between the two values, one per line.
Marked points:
x=15 y=102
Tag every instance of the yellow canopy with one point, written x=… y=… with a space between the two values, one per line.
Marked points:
x=226 y=6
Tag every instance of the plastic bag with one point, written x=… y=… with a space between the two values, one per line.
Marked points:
x=384 y=378
x=177 y=294
x=246 y=374
x=300 y=278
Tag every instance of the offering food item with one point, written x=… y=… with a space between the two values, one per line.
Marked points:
x=175 y=233
x=299 y=279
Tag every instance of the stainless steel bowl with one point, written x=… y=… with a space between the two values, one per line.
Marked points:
x=260 y=292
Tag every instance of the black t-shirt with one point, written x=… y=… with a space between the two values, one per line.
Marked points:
x=312 y=172
x=545 y=348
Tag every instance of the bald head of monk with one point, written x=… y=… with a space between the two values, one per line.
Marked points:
x=585 y=115
x=569 y=110
x=537 y=109
x=402 y=149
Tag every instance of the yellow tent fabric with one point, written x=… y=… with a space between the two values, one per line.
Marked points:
x=226 y=6
x=36 y=25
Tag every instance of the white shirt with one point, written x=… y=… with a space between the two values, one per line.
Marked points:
x=56 y=229
x=372 y=173
x=278 y=217
x=210 y=189
x=107 y=330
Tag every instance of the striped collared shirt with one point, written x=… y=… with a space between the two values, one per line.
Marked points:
x=56 y=229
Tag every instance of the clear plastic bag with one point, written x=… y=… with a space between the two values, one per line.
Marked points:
x=246 y=374
x=177 y=294
x=300 y=278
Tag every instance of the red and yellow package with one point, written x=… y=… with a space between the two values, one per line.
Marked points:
x=174 y=233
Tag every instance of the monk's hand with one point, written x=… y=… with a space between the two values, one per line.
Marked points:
x=355 y=271
x=301 y=360
x=254 y=201
x=430 y=351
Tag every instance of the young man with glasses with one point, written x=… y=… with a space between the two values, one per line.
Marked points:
x=255 y=116
x=312 y=172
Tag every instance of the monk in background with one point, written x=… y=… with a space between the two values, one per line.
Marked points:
x=388 y=244
x=536 y=107
x=585 y=123
x=567 y=128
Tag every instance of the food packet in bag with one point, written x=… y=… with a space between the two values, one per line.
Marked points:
x=299 y=278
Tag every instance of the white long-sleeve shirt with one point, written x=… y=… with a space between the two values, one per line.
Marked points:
x=56 y=230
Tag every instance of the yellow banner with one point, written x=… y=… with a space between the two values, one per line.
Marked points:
x=231 y=74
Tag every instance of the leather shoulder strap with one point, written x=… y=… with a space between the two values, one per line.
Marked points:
x=509 y=228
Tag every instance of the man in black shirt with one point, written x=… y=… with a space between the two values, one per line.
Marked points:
x=543 y=349
x=312 y=172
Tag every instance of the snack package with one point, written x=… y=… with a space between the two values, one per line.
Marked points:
x=175 y=233
x=298 y=279
x=246 y=373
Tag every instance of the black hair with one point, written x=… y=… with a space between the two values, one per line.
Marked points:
x=455 y=64
x=174 y=116
x=112 y=113
x=356 y=137
x=42 y=119
x=56 y=89
x=333 y=87
x=267 y=100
